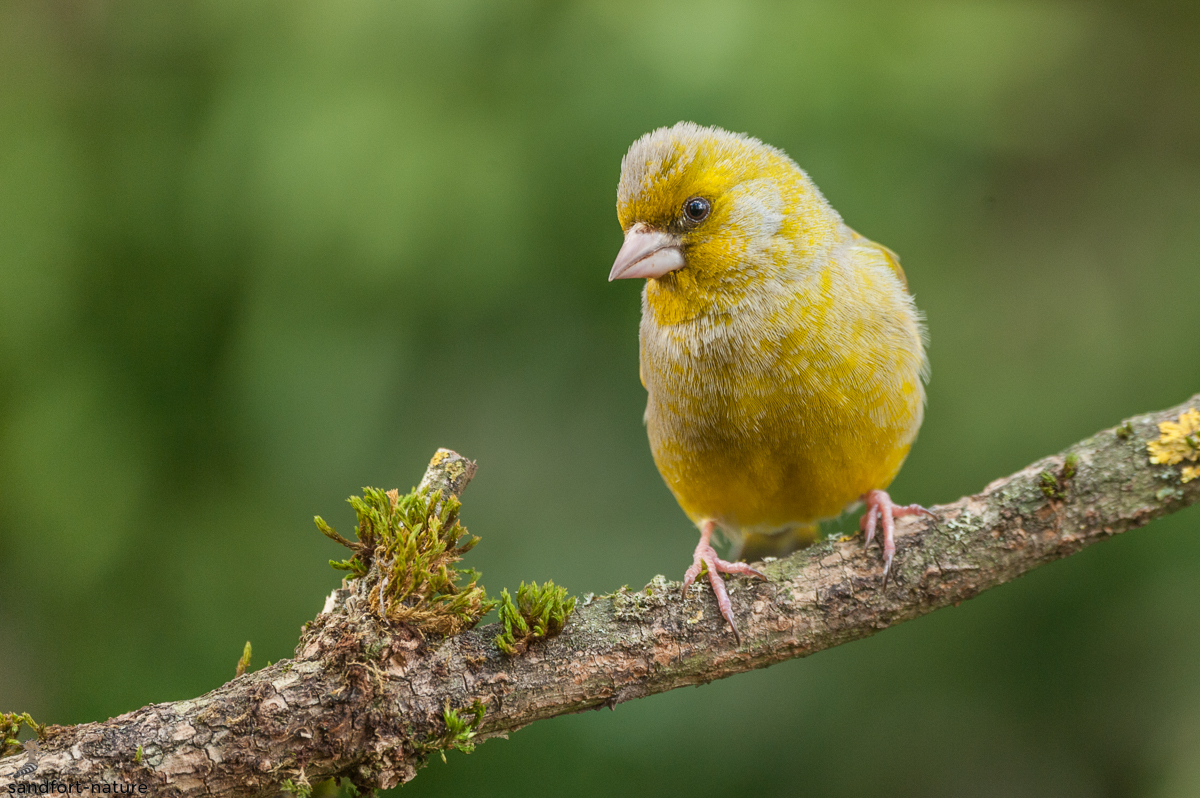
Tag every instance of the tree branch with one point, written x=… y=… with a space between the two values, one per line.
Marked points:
x=369 y=703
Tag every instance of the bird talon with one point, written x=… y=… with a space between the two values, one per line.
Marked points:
x=705 y=559
x=882 y=512
x=900 y=511
x=723 y=602
x=739 y=568
x=868 y=522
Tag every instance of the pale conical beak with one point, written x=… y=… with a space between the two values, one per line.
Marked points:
x=646 y=253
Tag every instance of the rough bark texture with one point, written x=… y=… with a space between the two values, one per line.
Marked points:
x=367 y=702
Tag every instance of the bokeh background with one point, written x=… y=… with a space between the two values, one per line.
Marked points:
x=254 y=256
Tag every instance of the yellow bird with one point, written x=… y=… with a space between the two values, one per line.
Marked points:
x=781 y=351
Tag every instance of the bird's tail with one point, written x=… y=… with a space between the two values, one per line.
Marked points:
x=755 y=545
x=24 y=770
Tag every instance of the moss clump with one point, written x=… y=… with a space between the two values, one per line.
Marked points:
x=1055 y=487
x=538 y=613
x=459 y=731
x=1070 y=466
x=407 y=546
x=1050 y=487
x=244 y=661
x=10 y=729
x=299 y=788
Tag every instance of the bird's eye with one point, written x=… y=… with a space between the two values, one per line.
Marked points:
x=697 y=209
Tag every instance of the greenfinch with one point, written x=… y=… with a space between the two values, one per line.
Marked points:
x=781 y=351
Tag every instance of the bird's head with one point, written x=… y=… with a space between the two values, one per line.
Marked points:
x=706 y=212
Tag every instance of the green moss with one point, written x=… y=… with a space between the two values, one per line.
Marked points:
x=1049 y=485
x=1125 y=431
x=139 y=755
x=1055 y=487
x=459 y=731
x=407 y=546
x=539 y=613
x=301 y=789
x=10 y=729
x=1070 y=466
x=244 y=662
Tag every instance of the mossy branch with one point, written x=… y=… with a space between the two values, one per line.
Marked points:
x=368 y=698
x=406 y=549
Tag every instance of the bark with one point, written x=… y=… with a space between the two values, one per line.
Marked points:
x=367 y=702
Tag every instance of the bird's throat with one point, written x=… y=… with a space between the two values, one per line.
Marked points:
x=685 y=295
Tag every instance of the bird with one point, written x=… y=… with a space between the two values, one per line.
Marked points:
x=782 y=353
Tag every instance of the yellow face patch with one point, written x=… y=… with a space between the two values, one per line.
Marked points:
x=764 y=212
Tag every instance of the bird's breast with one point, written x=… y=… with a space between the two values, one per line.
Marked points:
x=788 y=407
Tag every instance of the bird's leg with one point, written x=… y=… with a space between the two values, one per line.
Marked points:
x=705 y=555
x=880 y=512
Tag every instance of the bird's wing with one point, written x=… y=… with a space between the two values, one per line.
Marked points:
x=893 y=260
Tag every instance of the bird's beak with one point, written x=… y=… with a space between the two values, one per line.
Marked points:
x=646 y=253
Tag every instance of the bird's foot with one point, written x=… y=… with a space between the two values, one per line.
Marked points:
x=881 y=511
x=706 y=557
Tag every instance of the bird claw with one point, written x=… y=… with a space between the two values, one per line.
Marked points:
x=882 y=512
x=705 y=557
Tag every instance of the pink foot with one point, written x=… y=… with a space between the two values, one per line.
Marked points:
x=705 y=555
x=881 y=509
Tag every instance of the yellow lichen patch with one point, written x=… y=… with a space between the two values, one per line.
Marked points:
x=1178 y=441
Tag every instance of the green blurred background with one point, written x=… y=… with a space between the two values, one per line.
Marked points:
x=254 y=256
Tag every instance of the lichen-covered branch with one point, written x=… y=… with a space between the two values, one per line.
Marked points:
x=370 y=701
